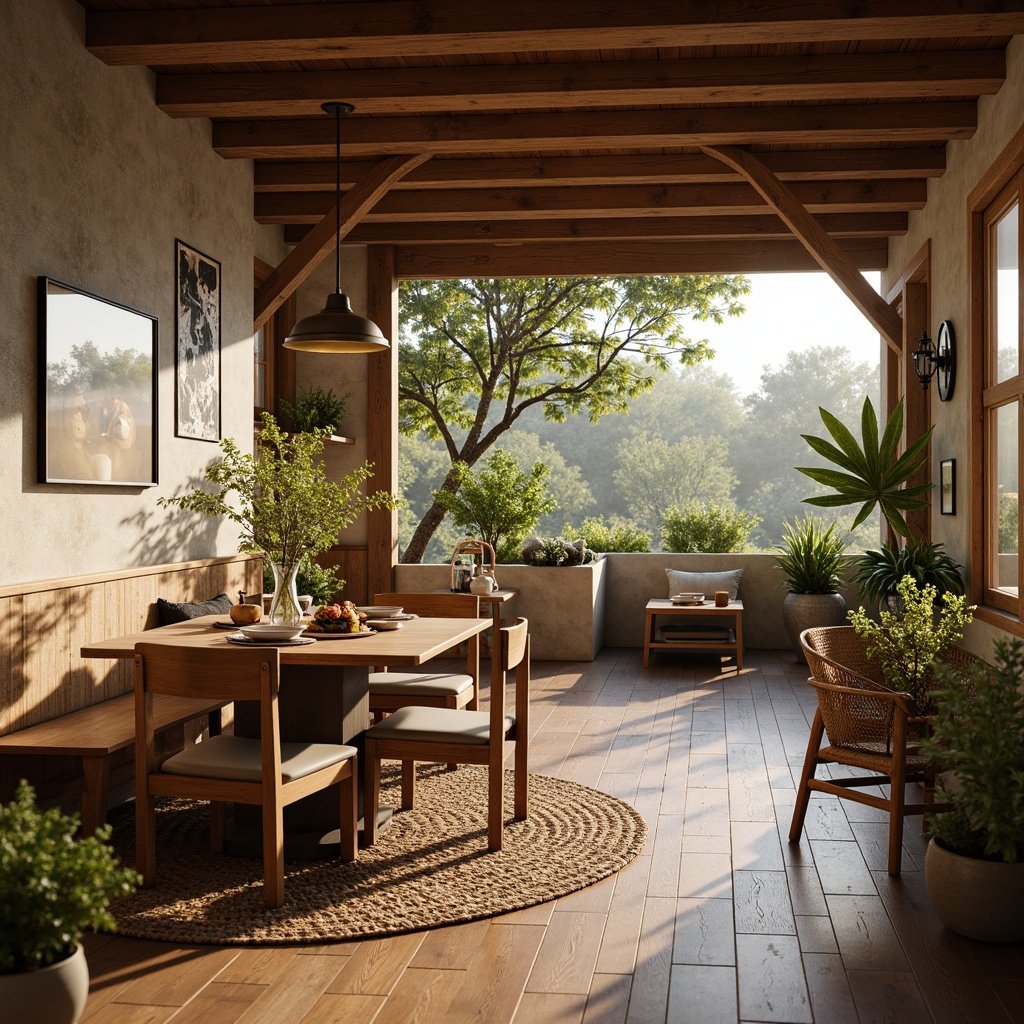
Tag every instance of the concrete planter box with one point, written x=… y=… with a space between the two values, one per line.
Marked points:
x=565 y=604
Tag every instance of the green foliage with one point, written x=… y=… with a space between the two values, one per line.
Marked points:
x=316 y=410
x=1009 y=523
x=615 y=535
x=654 y=476
x=476 y=354
x=287 y=505
x=322 y=584
x=878 y=572
x=811 y=556
x=977 y=732
x=870 y=473
x=501 y=504
x=706 y=526
x=908 y=645
x=556 y=551
x=52 y=885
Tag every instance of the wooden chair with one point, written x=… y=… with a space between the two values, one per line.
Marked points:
x=460 y=736
x=232 y=769
x=390 y=691
x=866 y=726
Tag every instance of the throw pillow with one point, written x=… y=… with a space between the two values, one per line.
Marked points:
x=681 y=582
x=182 y=611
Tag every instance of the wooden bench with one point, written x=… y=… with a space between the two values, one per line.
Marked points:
x=96 y=732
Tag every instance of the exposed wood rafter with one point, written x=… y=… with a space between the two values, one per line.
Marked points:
x=307 y=255
x=828 y=255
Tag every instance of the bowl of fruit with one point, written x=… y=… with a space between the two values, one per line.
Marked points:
x=342 y=618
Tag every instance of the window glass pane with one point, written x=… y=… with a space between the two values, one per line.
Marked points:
x=1006 y=285
x=260 y=374
x=1007 y=484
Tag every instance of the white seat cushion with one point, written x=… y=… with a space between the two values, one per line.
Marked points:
x=441 y=725
x=427 y=684
x=238 y=758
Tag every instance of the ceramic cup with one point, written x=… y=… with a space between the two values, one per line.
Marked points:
x=721 y=598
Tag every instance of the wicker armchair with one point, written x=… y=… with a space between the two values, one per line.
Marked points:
x=866 y=725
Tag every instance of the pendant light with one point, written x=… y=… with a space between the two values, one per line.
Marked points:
x=336 y=328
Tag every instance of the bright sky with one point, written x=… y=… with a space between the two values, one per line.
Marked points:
x=785 y=313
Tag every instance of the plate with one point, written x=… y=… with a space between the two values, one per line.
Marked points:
x=688 y=601
x=384 y=623
x=340 y=636
x=380 y=611
x=239 y=638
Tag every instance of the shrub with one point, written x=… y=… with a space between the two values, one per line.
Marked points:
x=706 y=527
x=616 y=535
x=556 y=551
x=52 y=885
x=811 y=556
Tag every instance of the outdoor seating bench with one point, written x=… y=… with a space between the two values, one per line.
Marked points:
x=96 y=732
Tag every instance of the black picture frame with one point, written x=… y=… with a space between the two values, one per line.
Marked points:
x=97 y=389
x=197 y=384
x=947 y=487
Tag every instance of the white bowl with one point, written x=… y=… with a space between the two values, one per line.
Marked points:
x=271 y=631
x=381 y=611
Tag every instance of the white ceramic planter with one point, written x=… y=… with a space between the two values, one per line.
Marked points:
x=980 y=899
x=52 y=995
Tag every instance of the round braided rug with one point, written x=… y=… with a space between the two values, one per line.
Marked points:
x=430 y=868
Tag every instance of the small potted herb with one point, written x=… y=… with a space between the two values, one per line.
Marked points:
x=52 y=887
x=316 y=411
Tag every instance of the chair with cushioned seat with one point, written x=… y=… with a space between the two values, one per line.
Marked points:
x=232 y=769
x=390 y=691
x=414 y=734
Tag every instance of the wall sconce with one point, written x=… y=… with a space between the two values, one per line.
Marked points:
x=937 y=360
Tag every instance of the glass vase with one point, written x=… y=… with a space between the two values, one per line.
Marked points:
x=284 y=607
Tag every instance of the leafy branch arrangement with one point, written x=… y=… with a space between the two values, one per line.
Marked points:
x=287 y=506
x=978 y=735
x=52 y=885
x=869 y=472
x=908 y=645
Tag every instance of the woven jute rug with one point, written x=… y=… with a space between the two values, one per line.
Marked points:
x=430 y=868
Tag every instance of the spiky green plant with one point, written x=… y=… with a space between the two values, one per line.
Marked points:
x=870 y=472
x=811 y=556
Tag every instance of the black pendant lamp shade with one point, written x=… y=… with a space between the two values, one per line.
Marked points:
x=336 y=328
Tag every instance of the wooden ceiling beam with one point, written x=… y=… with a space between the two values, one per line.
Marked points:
x=600 y=201
x=650 y=168
x=815 y=78
x=850 y=124
x=569 y=259
x=307 y=255
x=838 y=225
x=829 y=254
x=408 y=28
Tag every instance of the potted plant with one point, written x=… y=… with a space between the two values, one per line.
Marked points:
x=52 y=887
x=877 y=573
x=316 y=411
x=974 y=867
x=908 y=645
x=811 y=558
x=286 y=505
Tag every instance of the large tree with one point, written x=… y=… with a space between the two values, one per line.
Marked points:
x=475 y=355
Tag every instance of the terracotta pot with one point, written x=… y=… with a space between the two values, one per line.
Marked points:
x=52 y=995
x=980 y=899
x=805 y=611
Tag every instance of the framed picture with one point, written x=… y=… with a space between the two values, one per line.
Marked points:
x=947 y=487
x=97 y=389
x=197 y=351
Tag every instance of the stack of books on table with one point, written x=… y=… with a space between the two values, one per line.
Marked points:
x=703 y=634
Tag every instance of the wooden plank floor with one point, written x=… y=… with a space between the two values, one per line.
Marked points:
x=720 y=919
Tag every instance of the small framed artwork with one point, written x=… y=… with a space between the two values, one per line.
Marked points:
x=97 y=389
x=197 y=351
x=947 y=487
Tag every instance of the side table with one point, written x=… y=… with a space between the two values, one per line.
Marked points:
x=662 y=606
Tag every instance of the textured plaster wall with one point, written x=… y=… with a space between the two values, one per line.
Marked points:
x=95 y=186
x=944 y=221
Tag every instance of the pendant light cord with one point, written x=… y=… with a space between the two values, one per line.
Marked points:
x=337 y=200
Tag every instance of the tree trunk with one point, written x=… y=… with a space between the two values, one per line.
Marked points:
x=421 y=537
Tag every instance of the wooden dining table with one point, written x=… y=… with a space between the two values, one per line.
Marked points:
x=323 y=699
